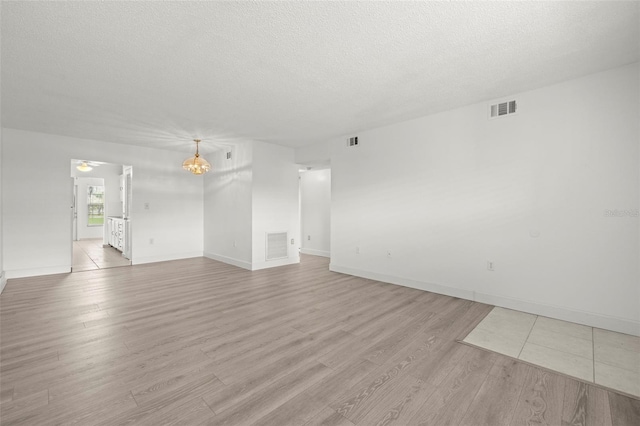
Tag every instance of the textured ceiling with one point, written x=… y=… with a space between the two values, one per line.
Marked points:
x=292 y=73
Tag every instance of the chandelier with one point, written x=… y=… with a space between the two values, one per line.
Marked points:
x=196 y=164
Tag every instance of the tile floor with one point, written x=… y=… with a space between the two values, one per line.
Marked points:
x=599 y=356
x=90 y=254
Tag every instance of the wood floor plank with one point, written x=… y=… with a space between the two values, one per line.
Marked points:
x=13 y=408
x=494 y=403
x=624 y=410
x=541 y=400
x=196 y=341
x=235 y=371
x=384 y=349
x=340 y=381
x=297 y=411
x=510 y=369
x=261 y=403
x=6 y=394
x=403 y=404
x=328 y=417
x=452 y=397
x=82 y=411
x=434 y=363
x=373 y=390
x=233 y=394
x=586 y=405
x=187 y=393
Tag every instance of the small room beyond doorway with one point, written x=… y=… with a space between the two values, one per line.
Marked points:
x=90 y=254
x=101 y=227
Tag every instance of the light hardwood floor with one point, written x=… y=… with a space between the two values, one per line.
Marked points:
x=200 y=342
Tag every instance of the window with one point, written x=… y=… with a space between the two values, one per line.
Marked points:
x=95 y=202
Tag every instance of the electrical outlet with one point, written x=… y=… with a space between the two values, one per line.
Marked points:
x=151 y=241
x=389 y=254
x=490 y=265
x=308 y=237
x=292 y=241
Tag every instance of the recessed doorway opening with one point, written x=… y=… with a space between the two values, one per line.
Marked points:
x=100 y=217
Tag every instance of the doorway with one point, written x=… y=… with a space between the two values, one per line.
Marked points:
x=101 y=220
x=315 y=211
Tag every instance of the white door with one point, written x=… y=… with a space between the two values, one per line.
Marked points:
x=74 y=216
x=74 y=207
x=128 y=199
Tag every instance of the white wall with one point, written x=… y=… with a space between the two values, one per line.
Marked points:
x=316 y=155
x=253 y=193
x=36 y=244
x=3 y=278
x=315 y=212
x=227 y=206
x=84 y=230
x=443 y=194
x=275 y=205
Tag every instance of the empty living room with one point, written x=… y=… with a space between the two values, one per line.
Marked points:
x=348 y=213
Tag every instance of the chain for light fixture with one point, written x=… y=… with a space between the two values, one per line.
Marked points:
x=196 y=164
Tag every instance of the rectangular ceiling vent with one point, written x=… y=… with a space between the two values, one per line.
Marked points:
x=276 y=246
x=503 y=109
x=352 y=141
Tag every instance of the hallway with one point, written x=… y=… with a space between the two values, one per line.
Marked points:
x=90 y=255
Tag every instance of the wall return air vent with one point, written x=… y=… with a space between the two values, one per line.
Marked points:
x=503 y=109
x=276 y=245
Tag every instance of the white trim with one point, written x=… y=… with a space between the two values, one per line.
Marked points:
x=3 y=281
x=405 y=282
x=34 y=272
x=252 y=266
x=165 y=257
x=621 y=325
x=313 y=252
x=229 y=260
x=273 y=263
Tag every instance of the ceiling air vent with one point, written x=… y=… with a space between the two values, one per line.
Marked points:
x=502 y=109
x=352 y=141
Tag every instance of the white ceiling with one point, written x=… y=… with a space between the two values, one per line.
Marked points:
x=292 y=73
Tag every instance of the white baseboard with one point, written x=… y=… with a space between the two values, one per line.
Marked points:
x=621 y=325
x=35 y=272
x=274 y=263
x=315 y=252
x=606 y=322
x=251 y=266
x=165 y=257
x=229 y=260
x=3 y=281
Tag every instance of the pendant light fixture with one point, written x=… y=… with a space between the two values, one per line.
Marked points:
x=196 y=164
x=84 y=167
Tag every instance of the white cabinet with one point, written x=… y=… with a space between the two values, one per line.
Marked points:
x=117 y=233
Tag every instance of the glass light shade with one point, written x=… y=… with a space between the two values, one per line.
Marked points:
x=196 y=165
x=84 y=167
